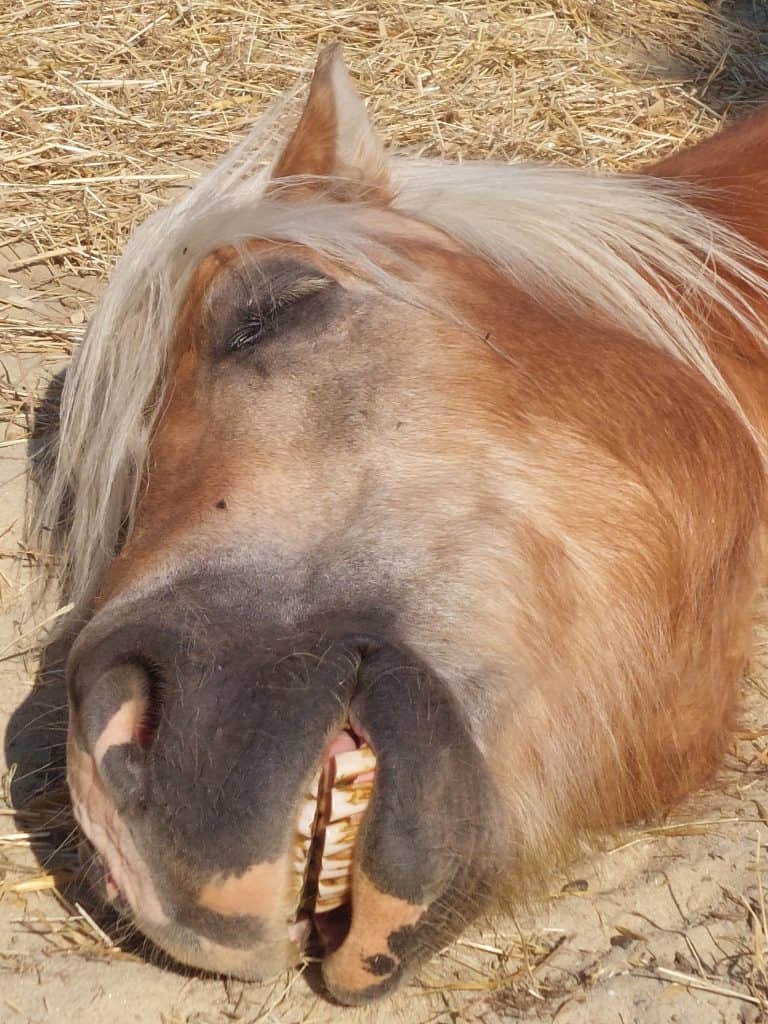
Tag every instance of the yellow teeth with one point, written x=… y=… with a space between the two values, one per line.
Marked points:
x=327 y=829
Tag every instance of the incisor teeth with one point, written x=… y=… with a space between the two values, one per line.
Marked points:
x=331 y=893
x=352 y=763
x=339 y=838
x=350 y=800
x=307 y=814
x=329 y=822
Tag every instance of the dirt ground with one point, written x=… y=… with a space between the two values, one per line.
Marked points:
x=668 y=922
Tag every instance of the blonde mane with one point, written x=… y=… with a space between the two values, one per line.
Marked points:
x=635 y=249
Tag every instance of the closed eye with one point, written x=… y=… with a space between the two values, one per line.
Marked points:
x=251 y=330
x=261 y=318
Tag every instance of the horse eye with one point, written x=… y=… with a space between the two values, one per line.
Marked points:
x=251 y=331
x=259 y=320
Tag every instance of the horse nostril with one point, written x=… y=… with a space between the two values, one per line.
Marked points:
x=116 y=713
x=149 y=723
x=117 y=704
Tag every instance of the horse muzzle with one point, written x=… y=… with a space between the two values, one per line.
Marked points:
x=254 y=793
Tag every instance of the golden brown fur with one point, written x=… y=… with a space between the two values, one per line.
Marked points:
x=570 y=518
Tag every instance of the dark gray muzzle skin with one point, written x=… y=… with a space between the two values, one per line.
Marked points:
x=242 y=706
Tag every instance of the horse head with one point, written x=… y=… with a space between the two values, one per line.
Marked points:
x=443 y=462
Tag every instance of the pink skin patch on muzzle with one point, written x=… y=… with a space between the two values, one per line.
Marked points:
x=126 y=873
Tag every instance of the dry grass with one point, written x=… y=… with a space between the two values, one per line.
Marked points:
x=106 y=106
x=103 y=106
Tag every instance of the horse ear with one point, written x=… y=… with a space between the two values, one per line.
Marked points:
x=335 y=138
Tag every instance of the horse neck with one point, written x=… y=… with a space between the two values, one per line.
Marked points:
x=733 y=167
x=732 y=170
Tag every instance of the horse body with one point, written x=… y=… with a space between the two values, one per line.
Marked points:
x=441 y=494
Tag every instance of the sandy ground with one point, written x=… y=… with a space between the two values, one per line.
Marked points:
x=667 y=924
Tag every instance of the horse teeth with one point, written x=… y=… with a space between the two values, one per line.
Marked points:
x=352 y=763
x=307 y=814
x=336 y=869
x=327 y=827
x=331 y=893
x=339 y=837
x=347 y=800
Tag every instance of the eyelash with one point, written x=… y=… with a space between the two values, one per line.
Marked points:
x=247 y=334
x=252 y=330
x=257 y=323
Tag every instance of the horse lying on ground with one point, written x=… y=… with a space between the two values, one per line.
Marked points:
x=461 y=462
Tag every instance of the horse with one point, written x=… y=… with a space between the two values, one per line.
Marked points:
x=463 y=462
